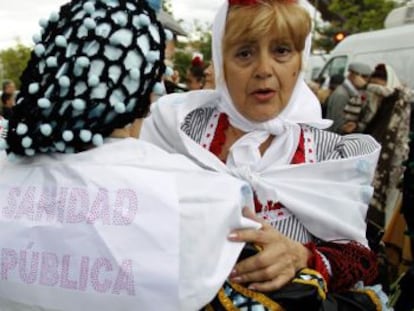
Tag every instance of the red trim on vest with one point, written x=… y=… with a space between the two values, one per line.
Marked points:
x=219 y=138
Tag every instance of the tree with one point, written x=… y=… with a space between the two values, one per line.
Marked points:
x=351 y=16
x=198 y=42
x=182 y=61
x=362 y=15
x=14 y=61
x=203 y=42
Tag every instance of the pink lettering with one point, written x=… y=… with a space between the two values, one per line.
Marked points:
x=9 y=210
x=52 y=205
x=26 y=206
x=31 y=276
x=100 y=208
x=68 y=272
x=84 y=271
x=64 y=277
x=72 y=205
x=49 y=269
x=78 y=206
x=124 y=213
x=101 y=287
x=8 y=261
x=125 y=279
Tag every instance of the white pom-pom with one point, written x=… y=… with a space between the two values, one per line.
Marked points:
x=12 y=157
x=152 y=56
x=120 y=108
x=43 y=103
x=33 y=88
x=85 y=135
x=51 y=61
x=46 y=129
x=89 y=7
x=61 y=41
x=36 y=38
x=54 y=17
x=89 y=23
x=135 y=74
x=121 y=20
x=60 y=146
x=79 y=104
x=93 y=81
x=21 y=129
x=97 y=140
x=29 y=152
x=83 y=62
x=39 y=49
x=67 y=135
x=64 y=82
x=158 y=88
x=26 y=142
x=168 y=35
x=43 y=22
x=144 y=20
x=168 y=71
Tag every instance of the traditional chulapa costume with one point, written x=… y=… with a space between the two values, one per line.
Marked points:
x=310 y=184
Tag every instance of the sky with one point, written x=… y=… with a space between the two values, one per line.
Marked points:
x=19 y=18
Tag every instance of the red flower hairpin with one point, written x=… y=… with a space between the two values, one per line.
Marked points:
x=197 y=62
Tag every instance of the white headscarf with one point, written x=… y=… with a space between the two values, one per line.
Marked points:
x=303 y=106
x=392 y=78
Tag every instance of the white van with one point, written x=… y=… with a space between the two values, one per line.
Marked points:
x=314 y=65
x=393 y=46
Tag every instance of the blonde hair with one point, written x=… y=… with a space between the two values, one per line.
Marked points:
x=289 y=21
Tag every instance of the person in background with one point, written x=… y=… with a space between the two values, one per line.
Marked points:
x=356 y=80
x=403 y=288
x=387 y=118
x=209 y=83
x=8 y=87
x=323 y=93
x=8 y=102
x=195 y=74
x=263 y=124
x=7 y=97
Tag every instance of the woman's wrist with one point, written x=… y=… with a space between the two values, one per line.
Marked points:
x=303 y=256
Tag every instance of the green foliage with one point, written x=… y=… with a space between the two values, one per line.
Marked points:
x=182 y=61
x=200 y=42
x=14 y=61
x=205 y=46
x=358 y=15
x=362 y=15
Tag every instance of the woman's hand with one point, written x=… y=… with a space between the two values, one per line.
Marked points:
x=275 y=265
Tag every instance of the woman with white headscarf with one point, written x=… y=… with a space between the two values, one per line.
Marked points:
x=387 y=118
x=263 y=124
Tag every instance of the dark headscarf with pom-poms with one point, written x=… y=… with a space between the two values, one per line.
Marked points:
x=91 y=71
